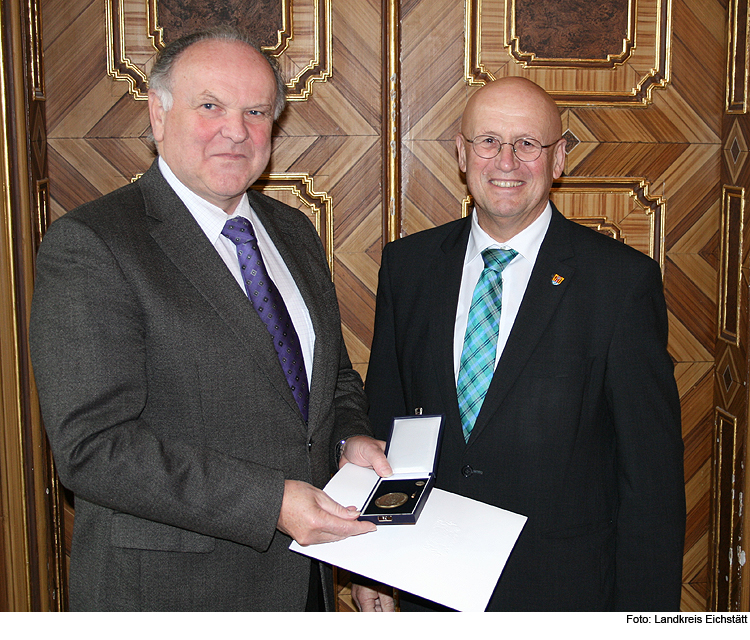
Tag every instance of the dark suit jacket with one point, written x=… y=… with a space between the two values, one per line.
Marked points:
x=580 y=428
x=167 y=410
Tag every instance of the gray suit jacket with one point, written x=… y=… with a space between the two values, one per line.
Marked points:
x=166 y=408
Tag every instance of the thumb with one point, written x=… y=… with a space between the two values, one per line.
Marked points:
x=329 y=505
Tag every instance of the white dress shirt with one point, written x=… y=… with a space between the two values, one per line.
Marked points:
x=211 y=219
x=515 y=278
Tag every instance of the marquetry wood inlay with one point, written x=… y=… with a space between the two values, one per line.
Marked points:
x=732 y=219
x=738 y=63
x=266 y=21
x=735 y=150
x=136 y=30
x=298 y=191
x=592 y=44
x=571 y=33
x=647 y=141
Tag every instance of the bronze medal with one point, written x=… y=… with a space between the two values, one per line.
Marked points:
x=391 y=500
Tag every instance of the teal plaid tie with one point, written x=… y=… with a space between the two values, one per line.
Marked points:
x=480 y=342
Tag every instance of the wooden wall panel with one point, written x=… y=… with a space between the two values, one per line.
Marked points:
x=650 y=150
x=728 y=570
x=652 y=121
x=330 y=132
x=327 y=156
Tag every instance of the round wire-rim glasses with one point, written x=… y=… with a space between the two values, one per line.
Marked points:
x=525 y=149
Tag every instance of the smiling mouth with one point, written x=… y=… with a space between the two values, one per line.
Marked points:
x=506 y=183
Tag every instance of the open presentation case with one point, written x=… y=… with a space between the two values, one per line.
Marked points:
x=412 y=451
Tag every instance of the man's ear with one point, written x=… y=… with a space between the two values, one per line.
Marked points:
x=461 y=148
x=559 y=165
x=156 y=114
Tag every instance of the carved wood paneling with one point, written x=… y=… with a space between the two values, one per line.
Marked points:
x=592 y=45
x=31 y=569
x=729 y=572
x=297 y=32
x=327 y=156
x=644 y=132
x=369 y=160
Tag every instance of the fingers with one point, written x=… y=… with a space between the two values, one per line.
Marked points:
x=364 y=597
x=367 y=452
x=311 y=517
x=370 y=599
x=387 y=603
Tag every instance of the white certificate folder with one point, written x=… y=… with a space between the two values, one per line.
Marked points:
x=453 y=555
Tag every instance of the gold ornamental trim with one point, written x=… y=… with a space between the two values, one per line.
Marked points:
x=530 y=59
x=640 y=227
x=36 y=50
x=302 y=188
x=134 y=37
x=15 y=508
x=653 y=207
x=491 y=50
x=738 y=65
x=730 y=277
x=393 y=133
x=726 y=503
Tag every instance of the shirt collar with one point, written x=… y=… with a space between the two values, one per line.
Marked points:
x=527 y=242
x=209 y=217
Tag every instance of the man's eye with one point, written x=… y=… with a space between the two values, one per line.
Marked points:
x=488 y=141
x=525 y=144
x=208 y=106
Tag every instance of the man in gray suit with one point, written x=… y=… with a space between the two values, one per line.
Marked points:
x=193 y=456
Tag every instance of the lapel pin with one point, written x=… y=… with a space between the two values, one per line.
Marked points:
x=557 y=279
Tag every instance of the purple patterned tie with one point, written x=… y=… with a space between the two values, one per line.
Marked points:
x=270 y=307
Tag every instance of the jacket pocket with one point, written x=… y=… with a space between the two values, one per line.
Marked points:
x=129 y=532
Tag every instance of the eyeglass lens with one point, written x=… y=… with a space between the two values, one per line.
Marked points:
x=525 y=149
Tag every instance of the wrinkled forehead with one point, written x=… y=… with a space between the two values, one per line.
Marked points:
x=220 y=57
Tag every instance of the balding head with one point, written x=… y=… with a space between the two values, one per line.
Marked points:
x=509 y=194
x=516 y=94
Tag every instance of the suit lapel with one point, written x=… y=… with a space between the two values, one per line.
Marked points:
x=537 y=310
x=447 y=271
x=180 y=237
x=296 y=249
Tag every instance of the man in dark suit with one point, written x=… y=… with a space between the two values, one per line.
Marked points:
x=193 y=456
x=578 y=427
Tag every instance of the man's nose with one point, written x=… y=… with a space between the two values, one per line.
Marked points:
x=506 y=158
x=235 y=128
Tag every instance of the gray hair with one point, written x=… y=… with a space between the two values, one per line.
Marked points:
x=160 y=78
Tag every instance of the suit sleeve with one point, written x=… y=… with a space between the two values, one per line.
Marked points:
x=350 y=405
x=90 y=359
x=384 y=383
x=644 y=402
x=349 y=401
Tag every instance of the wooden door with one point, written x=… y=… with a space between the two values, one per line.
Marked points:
x=657 y=152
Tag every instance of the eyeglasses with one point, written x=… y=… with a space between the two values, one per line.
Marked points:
x=525 y=149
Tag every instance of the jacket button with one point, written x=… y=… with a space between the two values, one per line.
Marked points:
x=309 y=444
x=467 y=471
